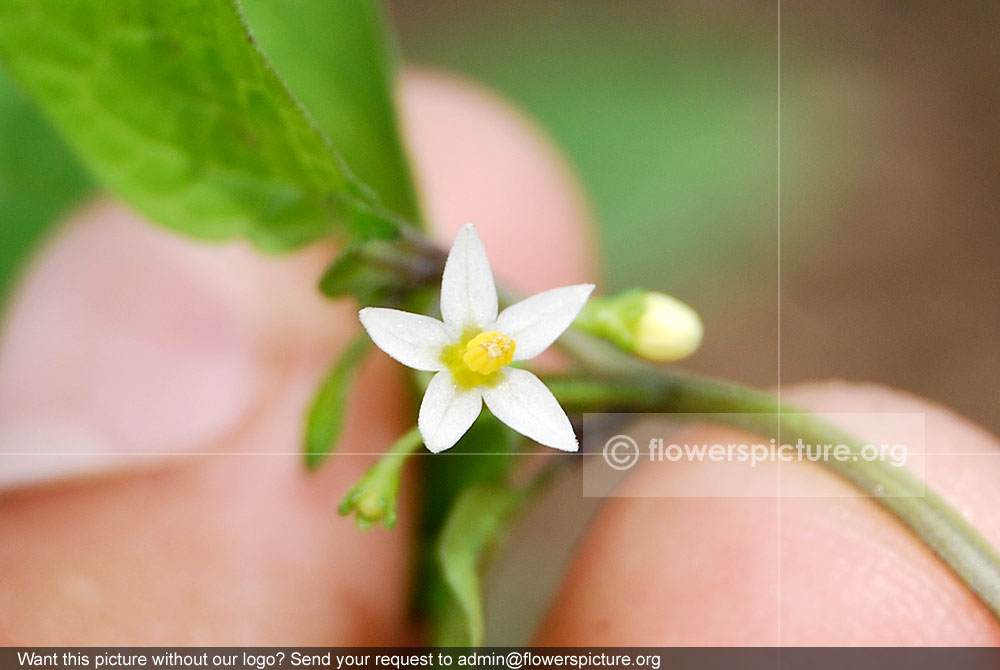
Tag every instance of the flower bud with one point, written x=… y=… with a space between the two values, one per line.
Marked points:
x=649 y=324
x=668 y=329
x=373 y=499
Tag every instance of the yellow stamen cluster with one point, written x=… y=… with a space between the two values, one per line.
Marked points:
x=488 y=352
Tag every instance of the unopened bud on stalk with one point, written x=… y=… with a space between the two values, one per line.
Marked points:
x=373 y=499
x=650 y=324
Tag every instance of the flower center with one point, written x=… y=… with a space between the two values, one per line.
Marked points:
x=476 y=358
x=488 y=352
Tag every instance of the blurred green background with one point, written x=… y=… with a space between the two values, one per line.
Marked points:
x=669 y=113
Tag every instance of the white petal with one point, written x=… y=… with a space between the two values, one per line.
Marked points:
x=536 y=322
x=414 y=340
x=525 y=404
x=468 y=294
x=446 y=412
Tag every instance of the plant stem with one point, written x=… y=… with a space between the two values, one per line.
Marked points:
x=926 y=513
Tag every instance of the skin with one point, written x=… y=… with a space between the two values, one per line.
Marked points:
x=827 y=571
x=166 y=543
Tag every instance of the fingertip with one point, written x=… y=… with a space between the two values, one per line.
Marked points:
x=114 y=335
x=481 y=161
x=823 y=567
x=127 y=339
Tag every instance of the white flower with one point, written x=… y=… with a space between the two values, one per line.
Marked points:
x=471 y=348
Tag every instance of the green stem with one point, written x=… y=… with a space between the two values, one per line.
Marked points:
x=925 y=512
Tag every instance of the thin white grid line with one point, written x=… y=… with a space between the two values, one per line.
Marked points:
x=299 y=454
x=936 y=454
x=779 y=324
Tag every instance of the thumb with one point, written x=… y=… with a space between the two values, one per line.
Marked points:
x=128 y=339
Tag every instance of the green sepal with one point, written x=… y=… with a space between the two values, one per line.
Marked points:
x=615 y=318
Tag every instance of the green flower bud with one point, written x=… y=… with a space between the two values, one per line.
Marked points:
x=373 y=499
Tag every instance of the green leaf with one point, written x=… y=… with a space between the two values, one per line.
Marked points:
x=473 y=527
x=325 y=420
x=172 y=106
x=39 y=180
x=333 y=56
